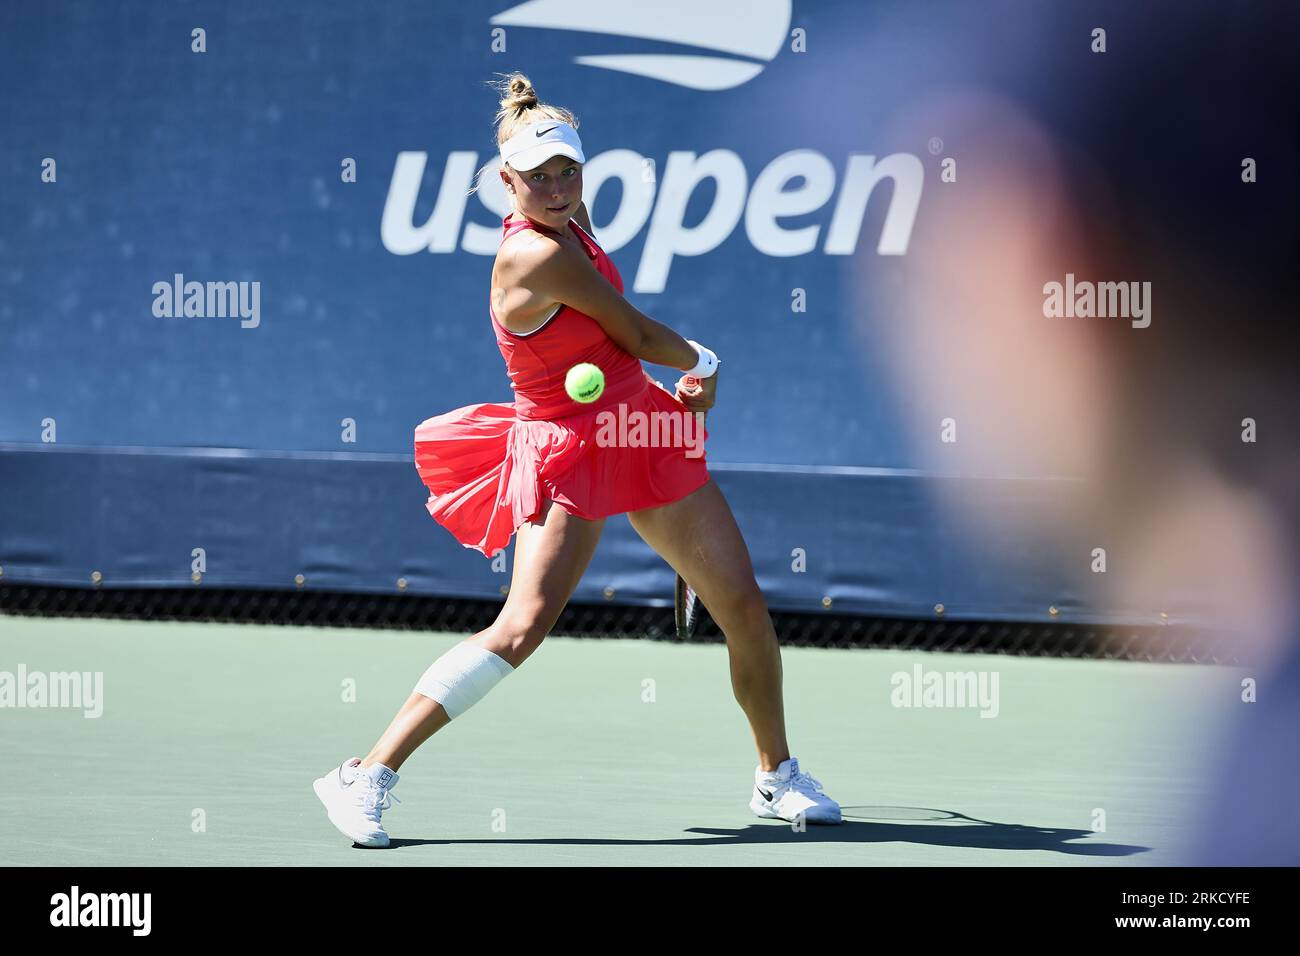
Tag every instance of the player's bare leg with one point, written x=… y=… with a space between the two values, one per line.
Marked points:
x=551 y=556
x=700 y=540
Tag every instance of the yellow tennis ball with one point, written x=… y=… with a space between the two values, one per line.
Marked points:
x=584 y=383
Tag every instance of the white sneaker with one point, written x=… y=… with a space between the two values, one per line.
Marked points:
x=787 y=792
x=354 y=797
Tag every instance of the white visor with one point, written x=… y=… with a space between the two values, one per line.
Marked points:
x=538 y=142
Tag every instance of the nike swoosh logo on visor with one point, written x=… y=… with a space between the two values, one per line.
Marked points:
x=543 y=132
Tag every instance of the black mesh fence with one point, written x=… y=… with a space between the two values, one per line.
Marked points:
x=1169 y=643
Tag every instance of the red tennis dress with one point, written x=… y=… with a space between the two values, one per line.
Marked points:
x=490 y=467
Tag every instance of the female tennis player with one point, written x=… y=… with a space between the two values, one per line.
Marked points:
x=538 y=467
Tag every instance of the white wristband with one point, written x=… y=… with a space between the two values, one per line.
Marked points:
x=708 y=363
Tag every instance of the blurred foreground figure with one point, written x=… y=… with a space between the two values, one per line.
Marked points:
x=1182 y=412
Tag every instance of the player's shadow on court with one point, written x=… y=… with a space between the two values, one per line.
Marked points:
x=916 y=825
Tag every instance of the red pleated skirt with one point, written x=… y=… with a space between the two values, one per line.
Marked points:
x=488 y=471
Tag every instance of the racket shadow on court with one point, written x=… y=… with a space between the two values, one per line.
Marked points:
x=931 y=827
x=934 y=827
x=916 y=825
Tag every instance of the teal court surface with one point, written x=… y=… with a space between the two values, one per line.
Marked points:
x=602 y=752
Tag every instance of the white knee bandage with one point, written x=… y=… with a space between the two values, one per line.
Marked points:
x=462 y=677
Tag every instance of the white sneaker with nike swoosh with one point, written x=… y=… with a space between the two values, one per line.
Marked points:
x=787 y=792
x=354 y=798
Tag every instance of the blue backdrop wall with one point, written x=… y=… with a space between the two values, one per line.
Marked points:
x=745 y=185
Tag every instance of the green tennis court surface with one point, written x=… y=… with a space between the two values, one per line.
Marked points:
x=595 y=752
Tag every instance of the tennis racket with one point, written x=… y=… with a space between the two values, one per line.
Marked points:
x=689 y=610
